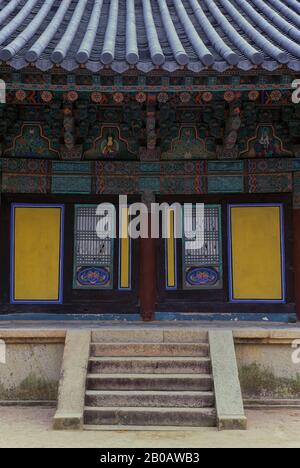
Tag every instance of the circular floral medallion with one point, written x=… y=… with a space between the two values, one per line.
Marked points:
x=141 y=97
x=202 y=277
x=229 y=96
x=91 y=276
x=118 y=98
x=97 y=97
x=46 y=96
x=185 y=98
x=276 y=95
x=253 y=95
x=163 y=97
x=20 y=95
x=72 y=96
x=207 y=97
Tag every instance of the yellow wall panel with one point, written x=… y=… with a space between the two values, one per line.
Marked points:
x=37 y=246
x=125 y=260
x=256 y=248
x=171 y=253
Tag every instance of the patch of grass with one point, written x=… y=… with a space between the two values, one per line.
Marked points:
x=31 y=388
x=259 y=381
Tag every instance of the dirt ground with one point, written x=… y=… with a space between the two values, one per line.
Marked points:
x=31 y=427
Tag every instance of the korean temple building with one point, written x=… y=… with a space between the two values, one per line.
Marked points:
x=188 y=101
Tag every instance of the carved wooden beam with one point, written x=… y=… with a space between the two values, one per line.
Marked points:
x=151 y=152
x=233 y=124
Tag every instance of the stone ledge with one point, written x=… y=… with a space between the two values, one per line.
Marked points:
x=258 y=336
x=71 y=392
x=149 y=334
x=68 y=421
x=28 y=403
x=38 y=336
x=230 y=423
x=271 y=403
x=158 y=333
x=229 y=402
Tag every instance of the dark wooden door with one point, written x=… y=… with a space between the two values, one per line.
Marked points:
x=202 y=283
x=93 y=294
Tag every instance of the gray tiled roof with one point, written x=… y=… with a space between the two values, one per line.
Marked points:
x=150 y=34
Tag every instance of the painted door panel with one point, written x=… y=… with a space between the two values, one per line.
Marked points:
x=266 y=275
x=256 y=253
x=36 y=253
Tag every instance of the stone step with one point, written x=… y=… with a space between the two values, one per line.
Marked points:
x=154 y=382
x=149 y=399
x=149 y=335
x=114 y=428
x=149 y=349
x=191 y=417
x=149 y=365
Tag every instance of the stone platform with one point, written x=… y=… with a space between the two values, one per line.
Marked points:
x=49 y=351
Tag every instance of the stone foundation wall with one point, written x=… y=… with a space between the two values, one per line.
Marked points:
x=34 y=359
x=267 y=371
x=31 y=372
x=32 y=367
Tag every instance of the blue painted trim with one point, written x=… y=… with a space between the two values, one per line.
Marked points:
x=230 y=267
x=12 y=251
x=70 y=317
x=264 y=318
x=159 y=317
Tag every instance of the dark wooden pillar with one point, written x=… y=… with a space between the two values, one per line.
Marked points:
x=296 y=257
x=148 y=271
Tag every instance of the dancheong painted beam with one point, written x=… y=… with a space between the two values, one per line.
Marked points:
x=149 y=34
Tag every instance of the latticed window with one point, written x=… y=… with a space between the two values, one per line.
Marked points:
x=202 y=248
x=93 y=258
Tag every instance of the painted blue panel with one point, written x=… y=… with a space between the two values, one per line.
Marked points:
x=225 y=184
x=71 y=184
x=226 y=166
x=296 y=164
x=149 y=183
x=150 y=167
x=71 y=167
x=296 y=181
x=266 y=319
x=70 y=317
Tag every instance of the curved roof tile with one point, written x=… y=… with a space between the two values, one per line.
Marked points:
x=150 y=33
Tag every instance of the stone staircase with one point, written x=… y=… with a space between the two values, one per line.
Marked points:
x=138 y=384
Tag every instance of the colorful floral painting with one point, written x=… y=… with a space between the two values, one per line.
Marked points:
x=109 y=145
x=92 y=276
x=188 y=145
x=202 y=277
x=265 y=144
x=31 y=143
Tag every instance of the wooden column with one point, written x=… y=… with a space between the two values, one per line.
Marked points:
x=148 y=270
x=296 y=258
